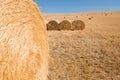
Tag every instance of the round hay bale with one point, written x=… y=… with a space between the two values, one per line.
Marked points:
x=52 y=25
x=23 y=41
x=65 y=25
x=78 y=25
x=90 y=18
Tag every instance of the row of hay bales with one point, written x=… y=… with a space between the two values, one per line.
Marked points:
x=66 y=25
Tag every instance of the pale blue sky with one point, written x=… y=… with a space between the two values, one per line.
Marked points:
x=75 y=6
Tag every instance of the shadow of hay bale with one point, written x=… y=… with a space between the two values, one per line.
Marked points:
x=78 y=25
x=65 y=25
x=52 y=25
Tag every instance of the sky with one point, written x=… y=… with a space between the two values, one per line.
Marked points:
x=76 y=6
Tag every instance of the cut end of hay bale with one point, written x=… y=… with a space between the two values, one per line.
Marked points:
x=65 y=25
x=52 y=25
x=78 y=25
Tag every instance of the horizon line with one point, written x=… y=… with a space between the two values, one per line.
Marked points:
x=85 y=12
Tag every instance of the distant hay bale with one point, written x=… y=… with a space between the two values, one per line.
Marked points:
x=52 y=25
x=65 y=25
x=76 y=16
x=90 y=18
x=78 y=25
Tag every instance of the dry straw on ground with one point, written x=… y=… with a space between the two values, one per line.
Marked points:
x=23 y=41
x=77 y=55
x=78 y=25
x=65 y=25
x=52 y=25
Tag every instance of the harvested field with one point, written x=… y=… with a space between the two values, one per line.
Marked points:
x=77 y=55
x=91 y=54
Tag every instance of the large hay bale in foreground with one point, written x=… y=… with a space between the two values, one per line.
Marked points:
x=78 y=25
x=65 y=25
x=52 y=25
x=23 y=41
